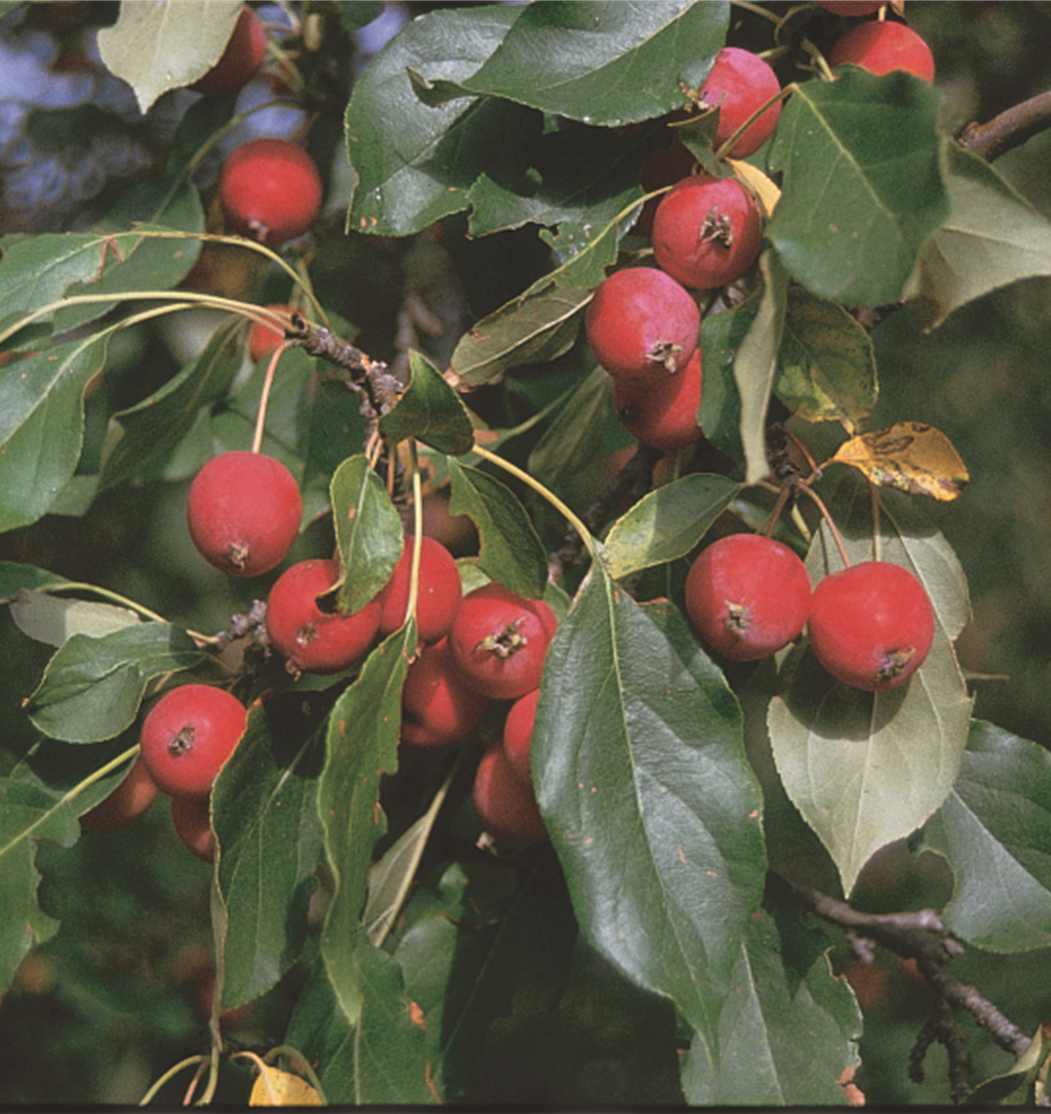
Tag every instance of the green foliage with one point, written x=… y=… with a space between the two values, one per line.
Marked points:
x=353 y=894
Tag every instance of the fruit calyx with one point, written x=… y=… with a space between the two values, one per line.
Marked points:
x=506 y=642
x=716 y=228
x=182 y=741
x=664 y=352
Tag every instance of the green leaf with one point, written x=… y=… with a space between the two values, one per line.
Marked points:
x=477 y=934
x=49 y=619
x=381 y=1058
x=406 y=185
x=362 y=745
x=826 y=366
x=151 y=429
x=720 y=411
x=755 y=366
x=788 y=1029
x=164 y=45
x=1024 y=1084
x=575 y=438
x=862 y=185
x=603 y=61
x=42 y=426
x=667 y=523
x=991 y=238
x=368 y=532
x=15 y=576
x=537 y=327
x=640 y=772
x=867 y=768
x=510 y=550
x=429 y=410
x=92 y=687
x=145 y=259
x=264 y=811
x=995 y=831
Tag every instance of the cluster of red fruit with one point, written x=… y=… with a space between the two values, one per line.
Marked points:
x=870 y=625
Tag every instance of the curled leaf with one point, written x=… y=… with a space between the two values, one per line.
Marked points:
x=274 y=1087
x=910 y=457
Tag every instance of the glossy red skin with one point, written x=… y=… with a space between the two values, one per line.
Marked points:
x=239 y=62
x=312 y=640
x=130 y=800
x=437 y=706
x=518 y=735
x=739 y=83
x=883 y=47
x=662 y=413
x=747 y=596
x=270 y=190
x=640 y=318
x=192 y=820
x=262 y=339
x=244 y=511
x=851 y=7
x=504 y=802
x=188 y=735
x=438 y=599
x=683 y=240
x=486 y=612
x=871 y=626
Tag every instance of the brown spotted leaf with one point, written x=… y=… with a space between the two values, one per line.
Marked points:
x=908 y=456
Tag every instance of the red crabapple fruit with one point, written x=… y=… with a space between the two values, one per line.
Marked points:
x=518 y=734
x=193 y=825
x=309 y=639
x=739 y=83
x=188 y=735
x=640 y=321
x=707 y=232
x=872 y=625
x=747 y=596
x=505 y=803
x=662 y=411
x=883 y=47
x=244 y=510
x=239 y=62
x=438 y=707
x=439 y=594
x=125 y=804
x=270 y=190
x=499 y=640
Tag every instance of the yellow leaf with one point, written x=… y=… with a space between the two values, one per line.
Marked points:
x=908 y=456
x=281 y=1088
x=769 y=193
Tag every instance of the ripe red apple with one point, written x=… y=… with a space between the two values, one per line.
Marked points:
x=747 y=596
x=518 y=735
x=881 y=47
x=239 y=62
x=270 y=190
x=662 y=410
x=244 y=511
x=188 y=735
x=130 y=800
x=438 y=707
x=192 y=819
x=505 y=803
x=738 y=84
x=312 y=640
x=872 y=625
x=707 y=232
x=641 y=321
x=263 y=339
x=438 y=599
x=499 y=640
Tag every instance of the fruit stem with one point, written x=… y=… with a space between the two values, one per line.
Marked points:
x=543 y=492
x=775 y=514
x=199 y=1059
x=417 y=532
x=820 y=63
x=755 y=9
x=877 y=539
x=264 y=398
x=828 y=518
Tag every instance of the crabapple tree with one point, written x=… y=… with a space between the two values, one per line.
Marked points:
x=674 y=768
